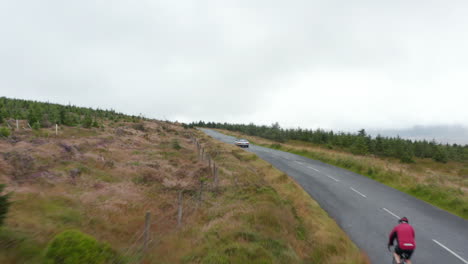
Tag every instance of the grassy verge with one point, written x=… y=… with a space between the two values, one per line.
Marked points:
x=442 y=185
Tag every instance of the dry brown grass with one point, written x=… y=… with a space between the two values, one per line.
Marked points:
x=257 y=205
x=103 y=181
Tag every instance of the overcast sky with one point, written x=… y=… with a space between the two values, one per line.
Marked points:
x=341 y=64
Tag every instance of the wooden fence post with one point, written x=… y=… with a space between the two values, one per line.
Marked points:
x=200 y=197
x=147 y=230
x=56 y=129
x=199 y=151
x=179 y=211
x=215 y=173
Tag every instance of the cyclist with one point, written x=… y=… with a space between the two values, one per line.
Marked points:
x=404 y=234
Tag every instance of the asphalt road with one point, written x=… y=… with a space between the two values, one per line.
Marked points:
x=367 y=210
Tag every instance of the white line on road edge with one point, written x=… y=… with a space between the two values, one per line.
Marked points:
x=358 y=192
x=332 y=178
x=298 y=162
x=453 y=253
x=313 y=168
x=388 y=211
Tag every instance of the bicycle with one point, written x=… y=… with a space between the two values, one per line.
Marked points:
x=403 y=256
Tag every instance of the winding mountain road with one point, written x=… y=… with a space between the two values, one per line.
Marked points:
x=367 y=210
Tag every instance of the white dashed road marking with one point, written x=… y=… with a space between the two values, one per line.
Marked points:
x=388 y=211
x=332 y=178
x=358 y=192
x=298 y=162
x=453 y=253
x=313 y=168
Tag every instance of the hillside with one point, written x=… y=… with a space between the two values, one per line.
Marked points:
x=102 y=179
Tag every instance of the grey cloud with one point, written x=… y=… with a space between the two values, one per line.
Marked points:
x=257 y=61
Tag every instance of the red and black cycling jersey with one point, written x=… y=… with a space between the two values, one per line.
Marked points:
x=404 y=234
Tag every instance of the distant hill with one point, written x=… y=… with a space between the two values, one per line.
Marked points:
x=452 y=134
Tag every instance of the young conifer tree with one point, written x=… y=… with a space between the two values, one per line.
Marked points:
x=4 y=204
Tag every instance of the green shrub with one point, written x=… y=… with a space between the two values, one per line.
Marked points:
x=406 y=157
x=275 y=146
x=139 y=126
x=72 y=246
x=36 y=125
x=463 y=172
x=440 y=155
x=4 y=204
x=176 y=145
x=87 y=122
x=4 y=132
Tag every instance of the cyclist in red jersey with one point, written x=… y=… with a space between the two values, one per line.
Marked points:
x=404 y=234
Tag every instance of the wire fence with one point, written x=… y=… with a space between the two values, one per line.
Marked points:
x=187 y=202
x=146 y=239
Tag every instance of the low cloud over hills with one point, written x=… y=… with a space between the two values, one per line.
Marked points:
x=442 y=133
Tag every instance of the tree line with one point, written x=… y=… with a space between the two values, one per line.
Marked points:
x=42 y=114
x=359 y=143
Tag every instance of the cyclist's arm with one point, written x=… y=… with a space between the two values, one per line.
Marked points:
x=392 y=237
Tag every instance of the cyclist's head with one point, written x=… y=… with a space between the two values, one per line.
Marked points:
x=403 y=220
